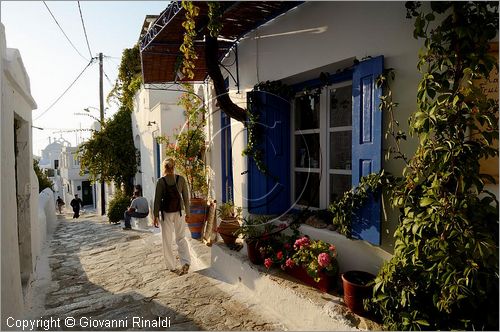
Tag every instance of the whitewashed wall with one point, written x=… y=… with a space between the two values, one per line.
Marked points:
x=18 y=252
x=160 y=107
x=324 y=36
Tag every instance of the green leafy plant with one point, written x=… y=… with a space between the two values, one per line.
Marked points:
x=110 y=154
x=117 y=206
x=188 y=146
x=255 y=130
x=315 y=256
x=129 y=78
x=187 y=47
x=228 y=210
x=444 y=272
x=345 y=208
x=43 y=179
x=259 y=227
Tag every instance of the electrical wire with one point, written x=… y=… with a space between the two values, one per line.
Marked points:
x=107 y=78
x=84 y=30
x=69 y=87
x=64 y=33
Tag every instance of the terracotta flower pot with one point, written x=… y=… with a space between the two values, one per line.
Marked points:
x=226 y=229
x=357 y=287
x=325 y=284
x=253 y=250
x=198 y=210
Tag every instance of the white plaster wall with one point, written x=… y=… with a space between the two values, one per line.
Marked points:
x=161 y=107
x=326 y=35
x=16 y=103
x=38 y=231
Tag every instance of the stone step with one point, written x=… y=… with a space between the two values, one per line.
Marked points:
x=303 y=307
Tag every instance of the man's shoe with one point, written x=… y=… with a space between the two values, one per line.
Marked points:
x=184 y=269
x=127 y=228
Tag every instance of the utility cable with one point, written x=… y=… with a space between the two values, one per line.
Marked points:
x=107 y=78
x=64 y=33
x=69 y=87
x=84 y=30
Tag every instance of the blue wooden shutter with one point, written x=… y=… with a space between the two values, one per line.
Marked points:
x=270 y=194
x=367 y=143
x=226 y=159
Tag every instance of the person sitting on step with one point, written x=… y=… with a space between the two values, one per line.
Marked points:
x=139 y=208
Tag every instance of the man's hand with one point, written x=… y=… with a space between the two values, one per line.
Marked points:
x=130 y=209
x=155 y=222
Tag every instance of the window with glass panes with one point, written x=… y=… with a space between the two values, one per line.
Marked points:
x=322 y=135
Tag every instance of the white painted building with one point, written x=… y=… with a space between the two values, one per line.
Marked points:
x=155 y=114
x=50 y=163
x=71 y=180
x=21 y=233
x=317 y=144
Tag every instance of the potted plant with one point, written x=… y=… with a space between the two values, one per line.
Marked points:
x=358 y=286
x=230 y=216
x=257 y=232
x=188 y=149
x=312 y=261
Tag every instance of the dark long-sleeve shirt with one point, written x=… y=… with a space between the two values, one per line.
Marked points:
x=181 y=187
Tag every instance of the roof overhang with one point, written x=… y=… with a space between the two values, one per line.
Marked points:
x=160 y=54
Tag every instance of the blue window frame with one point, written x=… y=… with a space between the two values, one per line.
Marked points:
x=336 y=138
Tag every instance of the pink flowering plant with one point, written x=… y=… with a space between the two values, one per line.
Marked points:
x=315 y=256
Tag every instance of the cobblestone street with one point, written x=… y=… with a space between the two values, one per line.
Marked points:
x=101 y=275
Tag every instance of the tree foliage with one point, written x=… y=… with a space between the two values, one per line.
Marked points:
x=110 y=154
x=43 y=179
x=188 y=149
x=444 y=272
x=129 y=78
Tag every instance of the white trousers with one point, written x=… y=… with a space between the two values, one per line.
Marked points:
x=170 y=223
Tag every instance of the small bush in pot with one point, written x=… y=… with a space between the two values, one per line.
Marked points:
x=257 y=232
x=230 y=216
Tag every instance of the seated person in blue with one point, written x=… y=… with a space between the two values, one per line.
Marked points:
x=139 y=207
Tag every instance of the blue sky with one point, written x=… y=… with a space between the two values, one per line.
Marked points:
x=52 y=63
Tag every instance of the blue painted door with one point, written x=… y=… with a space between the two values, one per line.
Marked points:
x=270 y=194
x=226 y=159
x=367 y=143
x=158 y=160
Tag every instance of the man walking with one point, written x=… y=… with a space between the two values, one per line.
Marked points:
x=60 y=204
x=76 y=203
x=139 y=207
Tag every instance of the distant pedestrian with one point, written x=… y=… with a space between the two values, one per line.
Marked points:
x=168 y=201
x=60 y=204
x=139 y=207
x=76 y=203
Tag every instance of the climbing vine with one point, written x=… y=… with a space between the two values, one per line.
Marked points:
x=214 y=16
x=255 y=130
x=129 y=78
x=187 y=47
x=444 y=272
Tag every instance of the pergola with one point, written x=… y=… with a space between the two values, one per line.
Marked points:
x=160 y=54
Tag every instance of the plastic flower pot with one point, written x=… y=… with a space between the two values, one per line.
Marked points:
x=357 y=287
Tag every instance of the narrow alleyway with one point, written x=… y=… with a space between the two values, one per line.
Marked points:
x=101 y=275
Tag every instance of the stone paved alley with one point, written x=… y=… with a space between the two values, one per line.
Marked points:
x=100 y=274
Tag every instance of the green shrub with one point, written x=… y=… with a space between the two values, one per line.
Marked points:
x=117 y=206
x=43 y=180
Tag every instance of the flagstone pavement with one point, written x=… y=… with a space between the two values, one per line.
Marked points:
x=103 y=278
